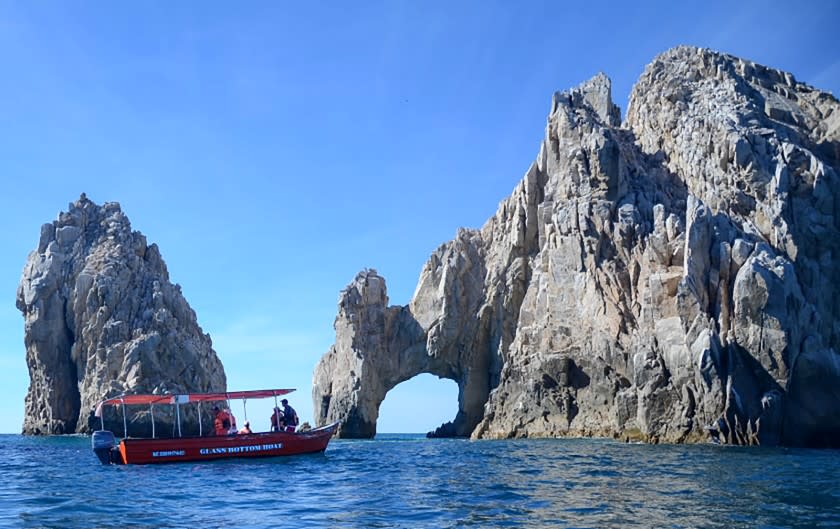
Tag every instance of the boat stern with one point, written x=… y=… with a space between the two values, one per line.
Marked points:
x=105 y=446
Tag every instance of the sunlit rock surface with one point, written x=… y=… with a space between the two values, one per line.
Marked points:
x=671 y=279
x=102 y=318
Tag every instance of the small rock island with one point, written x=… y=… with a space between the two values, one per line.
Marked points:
x=102 y=318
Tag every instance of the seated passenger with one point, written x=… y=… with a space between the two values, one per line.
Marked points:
x=246 y=429
x=222 y=421
x=277 y=424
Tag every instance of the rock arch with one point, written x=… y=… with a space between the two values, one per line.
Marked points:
x=670 y=278
x=379 y=347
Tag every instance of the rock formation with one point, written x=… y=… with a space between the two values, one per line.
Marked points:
x=102 y=318
x=673 y=278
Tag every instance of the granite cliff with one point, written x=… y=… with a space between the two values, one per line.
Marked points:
x=670 y=278
x=102 y=318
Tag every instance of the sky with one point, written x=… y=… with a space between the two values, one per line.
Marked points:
x=274 y=149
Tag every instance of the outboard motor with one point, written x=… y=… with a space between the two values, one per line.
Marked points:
x=105 y=446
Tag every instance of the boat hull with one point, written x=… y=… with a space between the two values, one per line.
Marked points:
x=266 y=444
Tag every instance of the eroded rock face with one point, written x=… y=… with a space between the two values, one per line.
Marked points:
x=670 y=279
x=102 y=318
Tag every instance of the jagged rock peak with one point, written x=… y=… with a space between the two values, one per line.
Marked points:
x=741 y=92
x=597 y=93
x=672 y=279
x=102 y=318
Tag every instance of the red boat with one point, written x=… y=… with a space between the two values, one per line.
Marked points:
x=133 y=450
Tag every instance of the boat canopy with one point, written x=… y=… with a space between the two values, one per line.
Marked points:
x=192 y=397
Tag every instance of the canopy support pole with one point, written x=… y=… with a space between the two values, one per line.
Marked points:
x=230 y=411
x=276 y=414
x=244 y=409
x=125 y=422
x=152 y=413
x=178 y=416
x=200 y=434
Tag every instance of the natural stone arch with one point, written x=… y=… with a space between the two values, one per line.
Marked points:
x=668 y=279
x=378 y=347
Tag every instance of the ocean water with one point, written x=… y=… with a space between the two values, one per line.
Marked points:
x=409 y=481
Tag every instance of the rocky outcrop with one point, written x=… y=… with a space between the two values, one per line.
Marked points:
x=672 y=278
x=102 y=318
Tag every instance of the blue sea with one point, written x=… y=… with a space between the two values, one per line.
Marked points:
x=409 y=481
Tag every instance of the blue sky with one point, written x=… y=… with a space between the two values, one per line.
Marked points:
x=274 y=150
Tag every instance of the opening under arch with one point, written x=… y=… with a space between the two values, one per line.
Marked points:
x=418 y=405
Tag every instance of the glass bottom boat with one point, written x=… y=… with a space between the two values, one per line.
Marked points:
x=145 y=450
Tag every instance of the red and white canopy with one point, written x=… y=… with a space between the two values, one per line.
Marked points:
x=189 y=397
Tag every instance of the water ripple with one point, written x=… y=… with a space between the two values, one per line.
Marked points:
x=404 y=481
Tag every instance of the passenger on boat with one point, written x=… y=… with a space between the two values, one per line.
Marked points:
x=290 y=416
x=277 y=424
x=223 y=421
x=246 y=429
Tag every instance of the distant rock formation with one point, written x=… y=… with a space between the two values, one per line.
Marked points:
x=672 y=279
x=102 y=318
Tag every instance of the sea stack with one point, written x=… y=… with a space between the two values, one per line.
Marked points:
x=102 y=318
x=671 y=278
